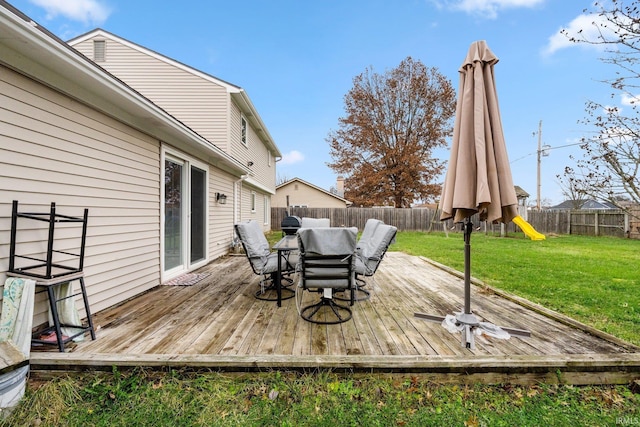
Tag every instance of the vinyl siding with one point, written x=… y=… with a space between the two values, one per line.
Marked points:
x=302 y=194
x=220 y=216
x=207 y=108
x=54 y=149
x=254 y=151
x=263 y=173
x=199 y=103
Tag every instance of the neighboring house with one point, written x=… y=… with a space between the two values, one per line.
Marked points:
x=299 y=193
x=583 y=204
x=74 y=134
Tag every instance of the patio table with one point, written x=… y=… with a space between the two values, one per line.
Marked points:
x=284 y=246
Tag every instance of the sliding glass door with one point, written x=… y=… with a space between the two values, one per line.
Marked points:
x=185 y=214
x=198 y=215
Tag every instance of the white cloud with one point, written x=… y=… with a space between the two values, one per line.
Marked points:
x=584 y=27
x=486 y=8
x=631 y=100
x=292 y=157
x=86 y=11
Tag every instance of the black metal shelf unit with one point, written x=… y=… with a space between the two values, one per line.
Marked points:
x=46 y=268
x=49 y=274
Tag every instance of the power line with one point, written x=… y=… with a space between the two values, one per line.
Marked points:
x=546 y=149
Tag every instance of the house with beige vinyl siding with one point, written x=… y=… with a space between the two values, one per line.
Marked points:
x=219 y=111
x=299 y=193
x=74 y=133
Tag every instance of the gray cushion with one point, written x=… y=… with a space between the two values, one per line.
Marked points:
x=320 y=242
x=306 y=222
x=371 y=253
x=367 y=233
x=256 y=246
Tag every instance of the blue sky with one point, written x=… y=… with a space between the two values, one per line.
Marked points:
x=297 y=61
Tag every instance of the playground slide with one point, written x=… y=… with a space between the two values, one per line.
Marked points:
x=528 y=229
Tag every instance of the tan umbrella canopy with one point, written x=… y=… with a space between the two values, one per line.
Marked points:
x=478 y=176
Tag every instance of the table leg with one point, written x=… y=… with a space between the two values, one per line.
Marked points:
x=279 y=279
x=53 y=303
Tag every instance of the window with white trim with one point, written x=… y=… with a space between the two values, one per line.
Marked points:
x=243 y=129
x=253 y=201
x=266 y=209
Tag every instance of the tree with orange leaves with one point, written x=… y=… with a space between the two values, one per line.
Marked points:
x=384 y=144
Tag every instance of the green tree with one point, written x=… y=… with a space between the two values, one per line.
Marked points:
x=393 y=123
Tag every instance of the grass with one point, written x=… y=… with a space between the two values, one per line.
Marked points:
x=591 y=279
x=594 y=280
x=140 y=398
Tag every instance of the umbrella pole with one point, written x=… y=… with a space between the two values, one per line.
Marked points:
x=467 y=320
x=468 y=227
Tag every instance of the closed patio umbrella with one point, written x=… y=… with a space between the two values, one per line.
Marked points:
x=478 y=176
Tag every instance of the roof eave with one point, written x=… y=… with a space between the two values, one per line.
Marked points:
x=33 y=51
x=246 y=106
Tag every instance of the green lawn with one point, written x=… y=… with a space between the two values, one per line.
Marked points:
x=594 y=280
x=321 y=399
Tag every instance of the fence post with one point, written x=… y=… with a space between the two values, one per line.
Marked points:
x=569 y=222
x=627 y=228
x=596 y=223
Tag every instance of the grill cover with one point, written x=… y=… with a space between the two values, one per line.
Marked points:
x=290 y=225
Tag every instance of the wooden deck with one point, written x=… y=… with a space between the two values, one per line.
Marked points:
x=218 y=324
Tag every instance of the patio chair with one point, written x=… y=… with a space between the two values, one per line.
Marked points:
x=371 y=249
x=306 y=222
x=264 y=262
x=326 y=265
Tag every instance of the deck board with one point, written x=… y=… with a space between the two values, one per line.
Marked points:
x=221 y=316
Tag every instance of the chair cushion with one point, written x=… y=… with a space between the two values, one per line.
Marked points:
x=328 y=240
x=327 y=256
x=367 y=233
x=307 y=222
x=255 y=245
x=373 y=251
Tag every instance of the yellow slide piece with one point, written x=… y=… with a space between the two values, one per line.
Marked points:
x=528 y=229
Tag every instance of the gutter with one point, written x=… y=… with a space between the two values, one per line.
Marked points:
x=32 y=50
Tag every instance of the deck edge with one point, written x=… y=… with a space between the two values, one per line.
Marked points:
x=559 y=317
x=577 y=369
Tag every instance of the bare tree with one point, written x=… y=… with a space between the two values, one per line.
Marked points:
x=573 y=188
x=281 y=179
x=610 y=164
x=384 y=143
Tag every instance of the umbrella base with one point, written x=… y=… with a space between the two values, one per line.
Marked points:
x=468 y=324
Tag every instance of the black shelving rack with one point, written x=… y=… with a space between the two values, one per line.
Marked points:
x=45 y=268
x=49 y=274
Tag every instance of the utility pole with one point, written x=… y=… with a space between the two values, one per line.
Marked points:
x=543 y=151
x=539 y=162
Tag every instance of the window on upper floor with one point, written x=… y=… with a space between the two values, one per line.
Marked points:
x=99 y=50
x=243 y=136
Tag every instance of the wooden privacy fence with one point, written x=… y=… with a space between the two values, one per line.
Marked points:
x=406 y=219
x=617 y=223
x=595 y=222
